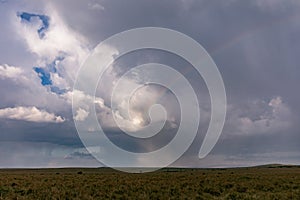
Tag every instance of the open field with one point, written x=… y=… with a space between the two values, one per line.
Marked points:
x=266 y=182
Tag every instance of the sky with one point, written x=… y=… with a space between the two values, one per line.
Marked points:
x=255 y=45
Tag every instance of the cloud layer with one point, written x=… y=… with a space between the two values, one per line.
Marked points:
x=255 y=45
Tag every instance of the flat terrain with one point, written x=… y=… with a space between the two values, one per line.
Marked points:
x=265 y=182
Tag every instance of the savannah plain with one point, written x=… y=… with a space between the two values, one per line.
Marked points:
x=264 y=182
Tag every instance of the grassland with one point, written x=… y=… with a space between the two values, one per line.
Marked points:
x=267 y=182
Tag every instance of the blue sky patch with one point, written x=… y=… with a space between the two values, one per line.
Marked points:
x=44 y=75
x=45 y=21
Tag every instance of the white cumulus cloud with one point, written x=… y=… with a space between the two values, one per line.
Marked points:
x=81 y=114
x=31 y=114
x=11 y=72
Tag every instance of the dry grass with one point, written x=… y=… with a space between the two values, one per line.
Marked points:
x=245 y=183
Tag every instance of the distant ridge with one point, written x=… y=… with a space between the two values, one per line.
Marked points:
x=277 y=166
x=166 y=169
